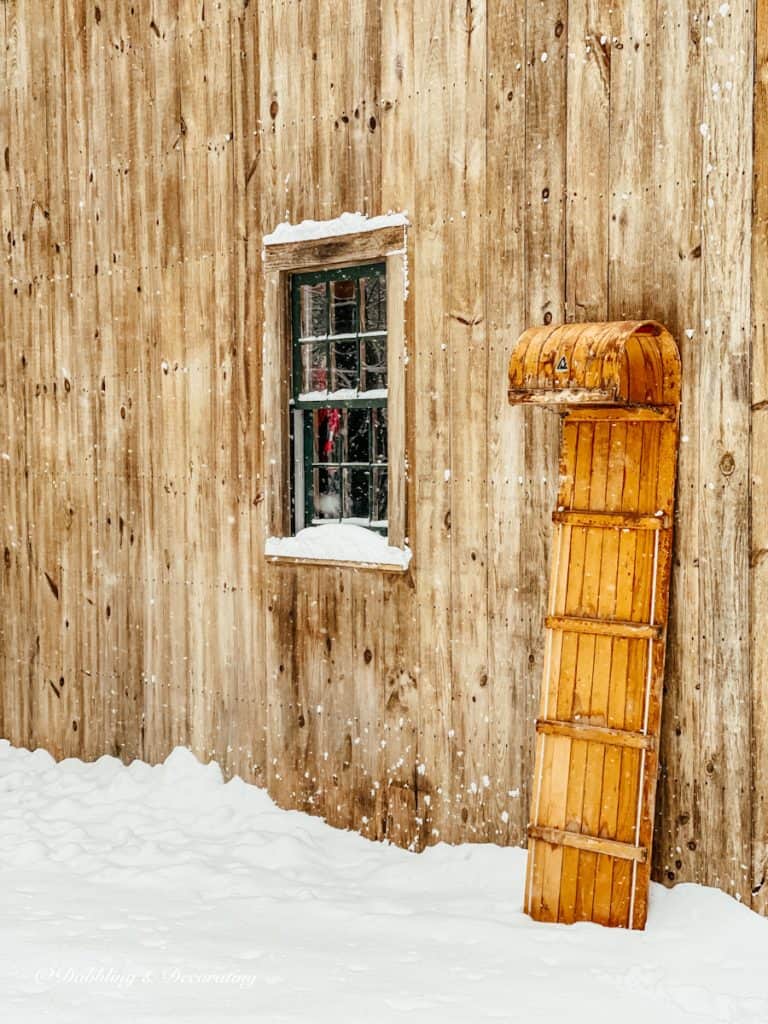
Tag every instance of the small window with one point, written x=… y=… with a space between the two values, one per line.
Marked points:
x=339 y=397
x=334 y=394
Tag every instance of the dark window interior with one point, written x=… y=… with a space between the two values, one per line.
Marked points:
x=339 y=397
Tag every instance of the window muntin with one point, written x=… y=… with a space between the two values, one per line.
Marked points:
x=339 y=397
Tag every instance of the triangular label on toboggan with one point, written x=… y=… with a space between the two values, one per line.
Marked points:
x=562 y=365
x=597 y=734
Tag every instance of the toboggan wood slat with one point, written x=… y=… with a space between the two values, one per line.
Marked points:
x=609 y=520
x=591 y=844
x=603 y=627
x=617 y=387
x=598 y=733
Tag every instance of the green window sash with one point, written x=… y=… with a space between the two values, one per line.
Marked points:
x=352 y=341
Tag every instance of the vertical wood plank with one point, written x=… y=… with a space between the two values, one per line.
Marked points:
x=632 y=110
x=759 y=472
x=465 y=475
x=512 y=682
x=546 y=42
x=587 y=172
x=681 y=41
x=404 y=796
x=725 y=795
x=432 y=439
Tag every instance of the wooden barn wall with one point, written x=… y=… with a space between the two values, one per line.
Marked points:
x=559 y=160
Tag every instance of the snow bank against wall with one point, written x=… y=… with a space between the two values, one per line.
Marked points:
x=161 y=894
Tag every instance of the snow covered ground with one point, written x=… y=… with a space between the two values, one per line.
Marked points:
x=160 y=894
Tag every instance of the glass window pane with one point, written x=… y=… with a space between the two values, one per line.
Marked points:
x=314 y=369
x=373 y=303
x=327 y=429
x=358 y=436
x=314 y=311
x=379 y=432
x=343 y=307
x=327 y=494
x=356 y=493
x=374 y=364
x=343 y=356
x=345 y=450
x=379 y=510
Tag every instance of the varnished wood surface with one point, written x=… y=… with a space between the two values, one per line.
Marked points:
x=589 y=844
x=600 y=733
x=630 y=363
x=144 y=151
x=596 y=756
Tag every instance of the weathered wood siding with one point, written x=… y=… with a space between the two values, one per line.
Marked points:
x=559 y=160
x=759 y=503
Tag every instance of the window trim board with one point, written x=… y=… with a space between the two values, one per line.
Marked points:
x=396 y=404
x=338 y=563
x=361 y=247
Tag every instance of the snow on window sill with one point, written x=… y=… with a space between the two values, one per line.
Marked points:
x=339 y=544
x=342 y=395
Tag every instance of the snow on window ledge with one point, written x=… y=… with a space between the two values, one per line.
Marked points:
x=339 y=543
x=346 y=224
x=342 y=395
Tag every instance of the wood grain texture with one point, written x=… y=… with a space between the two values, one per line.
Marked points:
x=466 y=338
x=432 y=675
x=588 y=166
x=724 y=674
x=558 y=161
x=759 y=471
x=402 y=803
x=544 y=260
x=353 y=248
x=511 y=683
